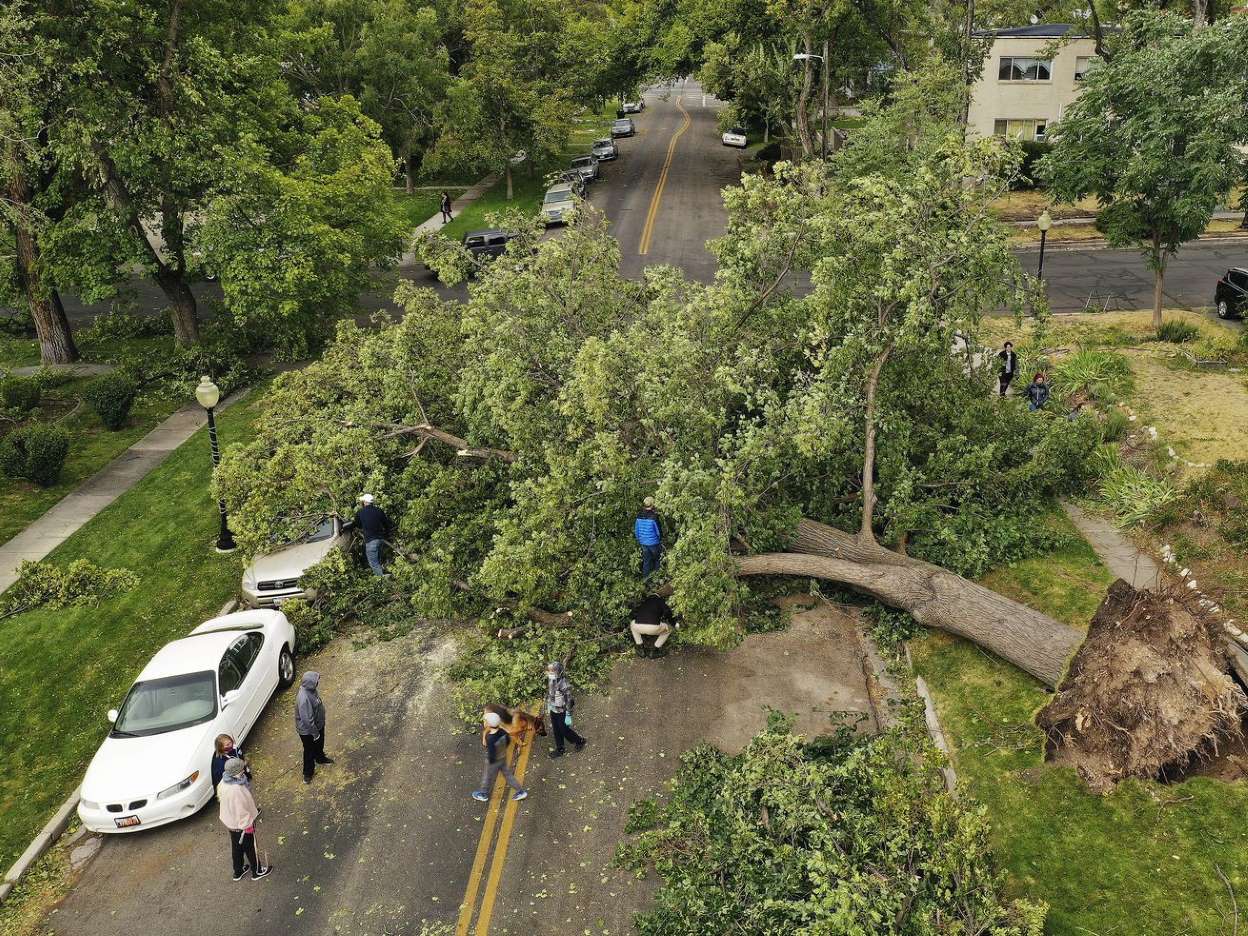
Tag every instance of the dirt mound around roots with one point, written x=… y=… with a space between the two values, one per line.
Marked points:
x=1147 y=693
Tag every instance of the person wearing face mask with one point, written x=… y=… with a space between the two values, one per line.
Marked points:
x=559 y=703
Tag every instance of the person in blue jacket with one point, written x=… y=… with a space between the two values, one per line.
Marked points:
x=649 y=537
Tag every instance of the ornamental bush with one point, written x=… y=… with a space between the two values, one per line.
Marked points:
x=847 y=835
x=36 y=452
x=111 y=396
x=20 y=393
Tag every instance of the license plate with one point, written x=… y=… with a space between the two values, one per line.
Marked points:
x=127 y=822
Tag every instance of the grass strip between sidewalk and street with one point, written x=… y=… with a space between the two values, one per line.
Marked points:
x=1147 y=858
x=60 y=671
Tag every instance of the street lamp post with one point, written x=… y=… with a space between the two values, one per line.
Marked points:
x=209 y=394
x=1044 y=222
x=803 y=56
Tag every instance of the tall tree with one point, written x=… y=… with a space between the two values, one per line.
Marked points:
x=1154 y=135
x=30 y=63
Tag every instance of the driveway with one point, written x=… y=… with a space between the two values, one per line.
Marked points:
x=388 y=838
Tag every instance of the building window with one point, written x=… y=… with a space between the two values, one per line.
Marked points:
x=1081 y=66
x=1024 y=69
x=1021 y=129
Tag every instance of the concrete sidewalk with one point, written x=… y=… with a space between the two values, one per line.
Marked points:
x=1122 y=557
x=434 y=223
x=101 y=489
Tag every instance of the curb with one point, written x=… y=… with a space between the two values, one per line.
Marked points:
x=1103 y=245
x=937 y=733
x=39 y=846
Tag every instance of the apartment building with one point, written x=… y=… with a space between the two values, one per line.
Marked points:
x=1024 y=88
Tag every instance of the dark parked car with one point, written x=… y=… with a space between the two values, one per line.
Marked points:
x=587 y=166
x=605 y=149
x=1231 y=296
x=623 y=127
x=487 y=244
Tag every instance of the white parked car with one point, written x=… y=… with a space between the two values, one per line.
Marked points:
x=735 y=137
x=155 y=766
x=277 y=577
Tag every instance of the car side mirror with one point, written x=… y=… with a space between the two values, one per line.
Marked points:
x=112 y=715
x=229 y=698
x=348 y=526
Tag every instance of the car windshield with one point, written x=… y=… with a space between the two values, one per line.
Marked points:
x=583 y=161
x=159 y=705
x=556 y=197
x=323 y=532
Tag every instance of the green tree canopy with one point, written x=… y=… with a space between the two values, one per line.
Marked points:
x=1154 y=135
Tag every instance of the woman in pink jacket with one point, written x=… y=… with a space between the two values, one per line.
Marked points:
x=238 y=815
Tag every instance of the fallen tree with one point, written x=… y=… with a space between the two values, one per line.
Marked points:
x=934 y=596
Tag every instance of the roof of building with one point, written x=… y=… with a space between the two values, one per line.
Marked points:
x=1038 y=31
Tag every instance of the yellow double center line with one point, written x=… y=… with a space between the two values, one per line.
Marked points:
x=469 y=906
x=648 y=231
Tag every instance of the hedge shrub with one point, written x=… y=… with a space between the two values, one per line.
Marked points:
x=111 y=396
x=20 y=393
x=36 y=452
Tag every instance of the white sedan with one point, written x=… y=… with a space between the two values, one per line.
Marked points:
x=155 y=765
x=735 y=137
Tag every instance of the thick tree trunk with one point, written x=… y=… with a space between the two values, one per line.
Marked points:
x=56 y=341
x=934 y=596
x=509 y=187
x=802 y=117
x=868 y=454
x=182 y=305
x=409 y=173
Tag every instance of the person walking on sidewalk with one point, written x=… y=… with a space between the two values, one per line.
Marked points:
x=560 y=703
x=649 y=535
x=375 y=527
x=238 y=815
x=1037 y=392
x=310 y=723
x=445 y=205
x=1009 y=366
x=495 y=742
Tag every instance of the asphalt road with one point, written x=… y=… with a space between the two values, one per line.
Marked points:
x=387 y=838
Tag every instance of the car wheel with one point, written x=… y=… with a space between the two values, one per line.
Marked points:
x=285 y=668
x=1224 y=309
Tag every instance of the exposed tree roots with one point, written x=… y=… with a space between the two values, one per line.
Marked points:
x=1148 y=692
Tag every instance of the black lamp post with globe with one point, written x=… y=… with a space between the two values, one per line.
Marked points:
x=209 y=394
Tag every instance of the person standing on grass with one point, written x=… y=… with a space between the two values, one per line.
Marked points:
x=310 y=723
x=375 y=527
x=495 y=742
x=445 y=205
x=559 y=702
x=1037 y=393
x=238 y=815
x=1009 y=366
x=649 y=535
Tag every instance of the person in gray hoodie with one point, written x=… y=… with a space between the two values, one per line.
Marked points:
x=310 y=723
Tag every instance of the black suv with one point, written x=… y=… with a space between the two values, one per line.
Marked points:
x=1231 y=296
x=487 y=244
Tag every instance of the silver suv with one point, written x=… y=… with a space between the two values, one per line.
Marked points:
x=558 y=204
x=587 y=166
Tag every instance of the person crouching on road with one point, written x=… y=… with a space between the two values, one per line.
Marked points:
x=495 y=741
x=225 y=749
x=559 y=702
x=650 y=619
x=310 y=723
x=649 y=535
x=238 y=815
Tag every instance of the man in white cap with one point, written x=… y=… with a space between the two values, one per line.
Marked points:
x=495 y=742
x=375 y=526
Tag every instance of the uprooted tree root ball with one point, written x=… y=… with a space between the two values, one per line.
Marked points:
x=1149 y=691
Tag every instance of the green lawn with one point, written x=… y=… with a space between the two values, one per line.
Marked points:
x=528 y=189
x=420 y=206
x=1143 y=860
x=60 y=671
x=91 y=448
x=18 y=352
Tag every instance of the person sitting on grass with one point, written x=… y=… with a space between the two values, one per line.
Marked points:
x=1037 y=392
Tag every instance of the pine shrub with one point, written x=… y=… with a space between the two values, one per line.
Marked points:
x=111 y=396
x=36 y=452
x=20 y=393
